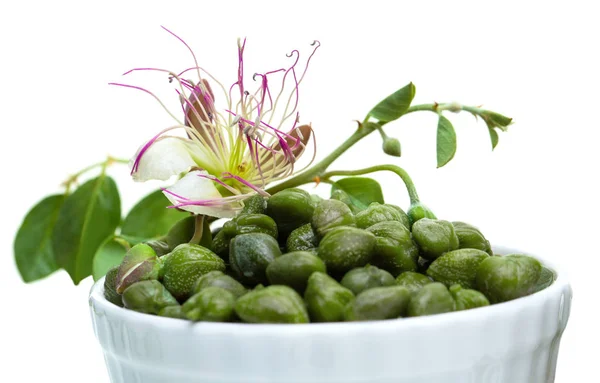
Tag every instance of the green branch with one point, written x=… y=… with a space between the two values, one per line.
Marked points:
x=103 y=165
x=410 y=186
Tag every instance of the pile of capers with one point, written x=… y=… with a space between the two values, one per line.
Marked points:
x=297 y=258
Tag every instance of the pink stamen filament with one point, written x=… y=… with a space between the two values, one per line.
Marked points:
x=147 y=146
x=247 y=183
x=174 y=194
x=187 y=46
x=215 y=179
x=151 y=94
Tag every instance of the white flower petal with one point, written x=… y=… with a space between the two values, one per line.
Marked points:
x=195 y=188
x=166 y=157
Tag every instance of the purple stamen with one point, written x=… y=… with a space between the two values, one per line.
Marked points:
x=265 y=88
x=258 y=162
x=288 y=155
x=136 y=163
x=212 y=202
x=241 y=67
x=215 y=179
x=266 y=147
x=146 y=69
x=188 y=69
x=134 y=87
x=247 y=183
x=186 y=105
x=184 y=43
x=174 y=194
x=296 y=92
x=318 y=44
x=147 y=146
x=206 y=202
x=187 y=86
x=291 y=67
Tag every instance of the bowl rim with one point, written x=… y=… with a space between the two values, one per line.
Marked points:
x=496 y=311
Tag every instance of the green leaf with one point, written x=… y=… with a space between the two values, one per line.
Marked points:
x=394 y=105
x=446 y=141
x=109 y=254
x=33 y=243
x=494 y=137
x=361 y=190
x=151 y=218
x=495 y=120
x=89 y=216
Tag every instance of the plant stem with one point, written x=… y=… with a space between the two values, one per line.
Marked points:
x=318 y=169
x=449 y=106
x=103 y=164
x=410 y=186
x=366 y=128
x=198 y=230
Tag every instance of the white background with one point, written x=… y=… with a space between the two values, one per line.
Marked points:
x=534 y=61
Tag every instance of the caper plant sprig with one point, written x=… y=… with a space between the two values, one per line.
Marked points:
x=247 y=146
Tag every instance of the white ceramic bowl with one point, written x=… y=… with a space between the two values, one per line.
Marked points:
x=512 y=342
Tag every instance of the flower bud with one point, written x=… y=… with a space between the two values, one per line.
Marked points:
x=417 y=211
x=391 y=146
x=496 y=120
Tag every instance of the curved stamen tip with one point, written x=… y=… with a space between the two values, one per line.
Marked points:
x=246 y=93
x=254 y=76
x=292 y=53
x=315 y=42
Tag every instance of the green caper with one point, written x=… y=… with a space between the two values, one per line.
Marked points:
x=326 y=299
x=256 y=204
x=509 y=277
x=139 y=264
x=395 y=251
x=211 y=304
x=329 y=214
x=273 y=304
x=293 y=269
x=363 y=278
x=377 y=212
x=251 y=223
x=220 y=245
x=185 y=265
x=470 y=237
x=342 y=196
x=148 y=297
x=546 y=279
x=110 y=287
x=457 y=267
x=418 y=211
x=290 y=208
x=303 y=238
x=344 y=248
x=172 y=312
x=404 y=217
x=219 y=279
x=378 y=303
x=434 y=237
x=250 y=254
x=315 y=199
x=160 y=246
x=413 y=281
x=466 y=299
x=433 y=298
